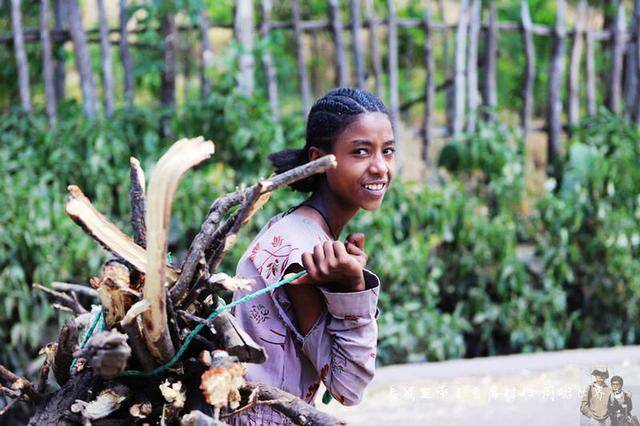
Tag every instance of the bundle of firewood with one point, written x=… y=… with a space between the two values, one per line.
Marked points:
x=129 y=357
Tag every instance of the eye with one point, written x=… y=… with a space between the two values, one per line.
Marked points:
x=360 y=152
x=390 y=151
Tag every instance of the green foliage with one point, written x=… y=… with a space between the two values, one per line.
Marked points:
x=39 y=243
x=455 y=282
x=589 y=231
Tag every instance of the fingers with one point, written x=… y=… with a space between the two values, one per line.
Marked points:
x=312 y=271
x=357 y=239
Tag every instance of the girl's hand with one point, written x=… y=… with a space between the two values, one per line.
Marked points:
x=338 y=263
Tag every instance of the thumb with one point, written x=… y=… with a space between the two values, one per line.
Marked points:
x=357 y=239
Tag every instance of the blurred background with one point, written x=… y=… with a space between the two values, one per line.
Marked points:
x=513 y=226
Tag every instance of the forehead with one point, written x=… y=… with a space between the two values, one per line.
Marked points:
x=372 y=126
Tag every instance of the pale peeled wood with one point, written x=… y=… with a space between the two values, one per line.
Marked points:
x=101 y=229
x=166 y=175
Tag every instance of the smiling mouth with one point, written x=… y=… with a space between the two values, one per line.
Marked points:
x=375 y=187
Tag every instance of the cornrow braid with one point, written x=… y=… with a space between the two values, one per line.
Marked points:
x=328 y=118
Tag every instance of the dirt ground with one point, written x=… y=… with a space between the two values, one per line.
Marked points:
x=531 y=389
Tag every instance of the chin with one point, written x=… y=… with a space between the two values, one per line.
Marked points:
x=371 y=206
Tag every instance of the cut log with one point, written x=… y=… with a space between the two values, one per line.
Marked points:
x=110 y=237
x=293 y=407
x=163 y=184
x=107 y=352
x=236 y=341
x=136 y=340
x=67 y=341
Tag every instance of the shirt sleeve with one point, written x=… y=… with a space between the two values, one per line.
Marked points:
x=342 y=344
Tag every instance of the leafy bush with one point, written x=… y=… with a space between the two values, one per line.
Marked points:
x=455 y=282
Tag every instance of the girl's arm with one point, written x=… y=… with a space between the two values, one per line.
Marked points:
x=341 y=343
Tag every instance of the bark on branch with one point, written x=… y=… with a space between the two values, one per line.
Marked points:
x=203 y=240
x=291 y=406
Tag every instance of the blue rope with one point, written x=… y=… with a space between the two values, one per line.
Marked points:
x=195 y=331
x=98 y=319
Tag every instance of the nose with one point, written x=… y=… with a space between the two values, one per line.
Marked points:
x=378 y=165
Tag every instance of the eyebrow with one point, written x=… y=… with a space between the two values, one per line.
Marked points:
x=365 y=142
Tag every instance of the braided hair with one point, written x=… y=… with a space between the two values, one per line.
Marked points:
x=328 y=118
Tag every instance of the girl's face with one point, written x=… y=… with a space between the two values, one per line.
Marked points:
x=365 y=152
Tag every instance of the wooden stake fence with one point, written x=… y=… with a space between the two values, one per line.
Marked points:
x=471 y=82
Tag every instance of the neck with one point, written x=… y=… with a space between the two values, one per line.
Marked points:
x=337 y=214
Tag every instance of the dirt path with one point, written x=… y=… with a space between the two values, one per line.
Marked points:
x=535 y=389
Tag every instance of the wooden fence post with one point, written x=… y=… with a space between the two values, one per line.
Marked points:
x=185 y=49
x=573 y=104
x=554 y=109
x=21 y=56
x=105 y=54
x=243 y=28
x=168 y=75
x=303 y=78
x=490 y=92
x=530 y=69
x=473 y=97
x=429 y=87
x=356 y=37
x=125 y=56
x=342 y=70
x=60 y=18
x=267 y=61
x=617 y=51
x=394 y=99
x=631 y=66
x=460 y=70
x=636 y=17
x=206 y=53
x=591 y=74
x=376 y=61
x=47 y=62
x=83 y=61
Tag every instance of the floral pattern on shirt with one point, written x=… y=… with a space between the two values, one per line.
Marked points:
x=272 y=261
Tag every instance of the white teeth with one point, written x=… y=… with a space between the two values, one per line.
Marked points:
x=375 y=187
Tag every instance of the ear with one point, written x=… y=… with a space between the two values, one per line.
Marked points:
x=315 y=153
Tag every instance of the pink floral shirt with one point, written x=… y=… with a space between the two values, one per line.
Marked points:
x=340 y=349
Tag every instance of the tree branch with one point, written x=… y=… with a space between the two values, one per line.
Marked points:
x=64 y=353
x=291 y=406
x=66 y=300
x=203 y=240
x=109 y=236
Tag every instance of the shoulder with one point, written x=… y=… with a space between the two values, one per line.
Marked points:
x=281 y=243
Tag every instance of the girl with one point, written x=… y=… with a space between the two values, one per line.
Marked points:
x=324 y=326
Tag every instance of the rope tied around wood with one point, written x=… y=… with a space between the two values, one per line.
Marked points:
x=185 y=344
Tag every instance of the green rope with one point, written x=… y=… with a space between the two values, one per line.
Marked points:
x=195 y=331
x=98 y=319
